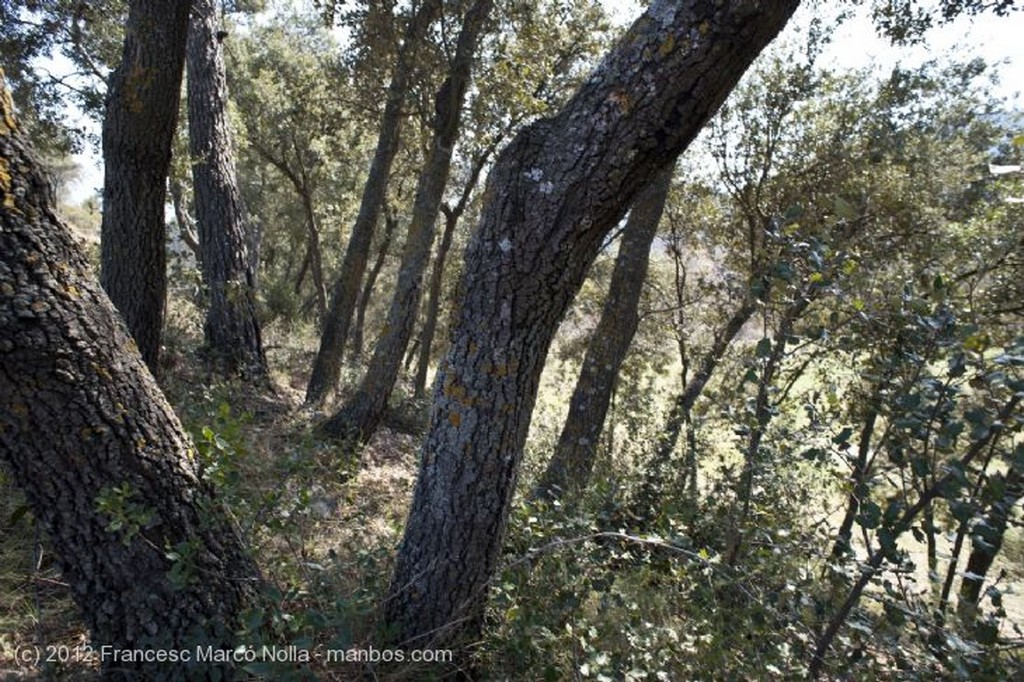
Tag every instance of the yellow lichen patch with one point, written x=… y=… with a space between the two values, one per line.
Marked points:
x=7 y=122
x=140 y=443
x=454 y=418
x=704 y=28
x=5 y=184
x=101 y=371
x=667 y=46
x=622 y=100
x=453 y=390
x=72 y=291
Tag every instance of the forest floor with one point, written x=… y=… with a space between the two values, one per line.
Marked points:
x=323 y=524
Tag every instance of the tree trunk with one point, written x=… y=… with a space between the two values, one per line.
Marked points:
x=327 y=366
x=987 y=541
x=390 y=222
x=141 y=114
x=452 y=214
x=752 y=459
x=232 y=330
x=314 y=254
x=360 y=417
x=569 y=469
x=105 y=465
x=185 y=227
x=553 y=195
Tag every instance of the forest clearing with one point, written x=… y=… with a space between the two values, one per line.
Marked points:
x=552 y=340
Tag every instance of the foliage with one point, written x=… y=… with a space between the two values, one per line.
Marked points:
x=85 y=35
x=827 y=485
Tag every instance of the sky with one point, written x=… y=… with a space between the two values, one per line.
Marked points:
x=855 y=45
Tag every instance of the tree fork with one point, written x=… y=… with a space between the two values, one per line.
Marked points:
x=361 y=416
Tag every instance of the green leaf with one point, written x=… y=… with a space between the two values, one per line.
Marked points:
x=957 y=365
x=870 y=515
x=259 y=669
x=920 y=466
x=843 y=436
x=764 y=347
x=887 y=542
x=962 y=511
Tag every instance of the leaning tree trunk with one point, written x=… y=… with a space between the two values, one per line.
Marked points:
x=232 y=331
x=327 y=366
x=141 y=114
x=569 y=469
x=361 y=416
x=554 y=194
x=105 y=465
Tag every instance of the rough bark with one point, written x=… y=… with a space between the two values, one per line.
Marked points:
x=452 y=214
x=360 y=417
x=569 y=470
x=231 y=331
x=327 y=366
x=987 y=541
x=141 y=114
x=82 y=421
x=554 y=194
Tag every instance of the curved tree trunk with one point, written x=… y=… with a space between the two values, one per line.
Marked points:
x=327 y=366
x=552 y=197
x=232 y=331
x=94 y=444
x=569 y=470
x=361 y=416
x=141 y=114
